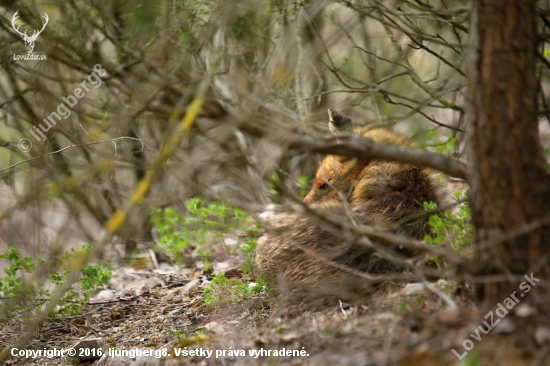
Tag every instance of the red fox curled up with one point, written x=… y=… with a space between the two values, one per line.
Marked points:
x=314 y=264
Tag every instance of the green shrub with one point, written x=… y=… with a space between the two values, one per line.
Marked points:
x=222 y=291
x=453 y=228
x=31 y=297
x=200 y=227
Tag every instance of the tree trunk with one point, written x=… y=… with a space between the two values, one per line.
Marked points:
x=510 y=179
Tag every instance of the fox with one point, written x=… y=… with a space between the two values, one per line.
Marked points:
x=393 y=190
x=317 y=265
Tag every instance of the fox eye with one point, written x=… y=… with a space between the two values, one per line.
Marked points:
x=323 y=187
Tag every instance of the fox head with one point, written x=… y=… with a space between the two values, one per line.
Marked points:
x=353 y=179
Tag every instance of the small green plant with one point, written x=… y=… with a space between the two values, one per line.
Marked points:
x=433 y=140
x=92 y=277
x=471 y=359
x=177 y=333
x=448 y=226
x=199 y=227
x=275 y=181
x=31 y=297
x=12 y=285
x=414 y=304
x=222 y=291
x=303 y=185
x=248 y=247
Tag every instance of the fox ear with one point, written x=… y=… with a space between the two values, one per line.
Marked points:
x=337 y=122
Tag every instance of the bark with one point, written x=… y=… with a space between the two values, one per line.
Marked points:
x=509 y=177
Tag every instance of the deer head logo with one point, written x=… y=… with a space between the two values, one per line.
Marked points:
x=29 y=40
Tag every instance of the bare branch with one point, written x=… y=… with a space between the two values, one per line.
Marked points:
x=353 y=146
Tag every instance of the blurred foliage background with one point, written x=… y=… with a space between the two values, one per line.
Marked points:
x=266 y=71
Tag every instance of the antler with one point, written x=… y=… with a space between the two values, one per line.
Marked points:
x=35 y=32
x=13 y=19
x=43 y=25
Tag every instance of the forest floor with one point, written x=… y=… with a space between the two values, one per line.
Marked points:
x=165 y=312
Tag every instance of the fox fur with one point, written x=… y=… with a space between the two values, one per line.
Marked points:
x=316 y=264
